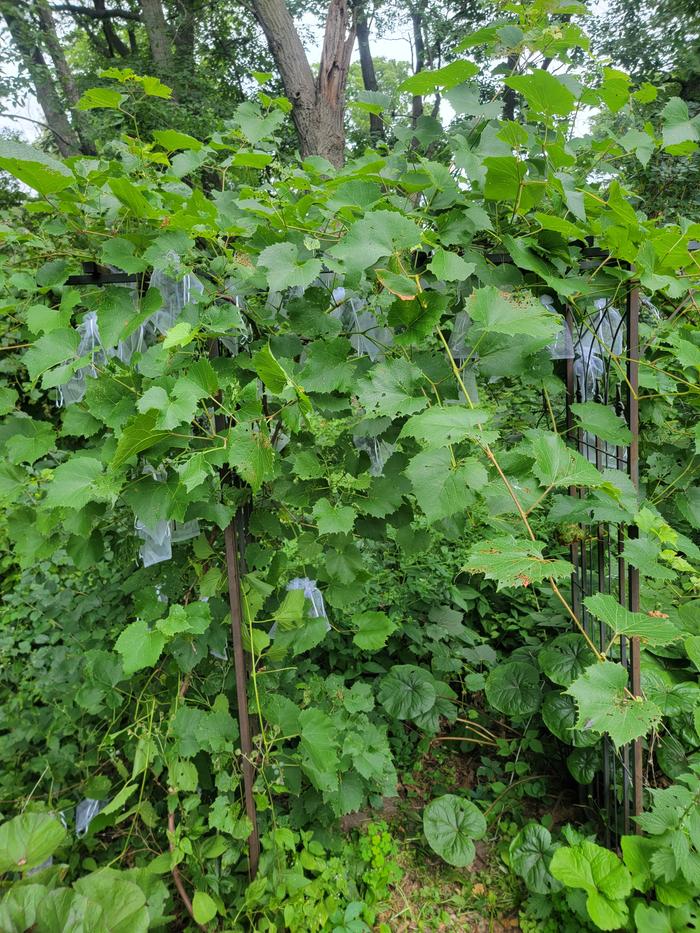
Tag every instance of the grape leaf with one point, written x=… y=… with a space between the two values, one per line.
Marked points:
x=442 y=426
x=252 y=455
x=513 y=562
x=139 y=647
x=441 y=487
x=499 y=313
x=285 y=269
x=602 y=421
x=651 y=631
x=373 y=629
x=543 y=92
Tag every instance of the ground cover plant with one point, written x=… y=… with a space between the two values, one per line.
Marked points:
x=332 y=354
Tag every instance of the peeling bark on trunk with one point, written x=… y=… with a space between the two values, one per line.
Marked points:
x=318 y=103
x=30 y=54
x=369 y=77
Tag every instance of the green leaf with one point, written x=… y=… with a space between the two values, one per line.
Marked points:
x=132 y=198
x=450 y=825
x=34 y=439
x=192 y=619
x=449 y=76
x=327 y=367
x=584 y=764
x=269 y=371
x=252 y=455
x=643 y=553
x=179 y=335
x=333 y=519
x=285 y=269
x=414 y=321
x=123 y=903
x=559 y=465
x=605 y=705
x=498 y=313
x=513 y=562
x=680 y=133
x=392 y=388
x=441 y=487
x=318 y=739
x=57 y=347
x=33 y=167
x=119 y=252
x=203 y=907
x=407 y=691
x=100 y=97
x=139 y=647
x=78 y=481
x=603 y=877
x=376 y=235
x=28 y=840
x=450 y=267
x=373 y=630
x=602 y=421
x=402 y=286
x=8 y=399
x=559 y=716
x=565 y=658
x=443 y=426
x=651 y=631
x=543 y=92
x=64 y=909
x=139 y=434
x=514 y=688
x=504 y=178
x=530 y=855
x=172 y=140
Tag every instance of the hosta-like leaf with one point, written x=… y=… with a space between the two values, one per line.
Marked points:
x=605 y=704
x=28 y=840
x=514 y=688
x=530 y=855
x=513 y=562
x=407 y=691
x=559 y=716
x=565 y=658
x=450 y=825
x=584 y=764
x=649 y=630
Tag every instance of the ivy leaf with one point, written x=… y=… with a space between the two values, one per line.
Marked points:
x=450 y=825
x=252 y=455
x=373 y=630
x=285 y=269
x=333 y=519
x=450 y=267
x=559 y=465
x=498 y=313
x=565 y=658
x=392 y=388
x=650 y=631
x=680 y=133
x=513 y=562
x=34 y=168
x=441 y=488
x=543 y=92
x=28 y=840
x=407 y=691
x=443 y=426
x=376 y=235
x=602 y=421
x=513 y=688
x=78 y=481
x=603 y=877
x=139 y=647
x=605 y=705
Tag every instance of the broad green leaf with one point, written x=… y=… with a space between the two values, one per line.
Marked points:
x=400 y=285
x=291 y=612
x=123 y=903
x=451 y=824
x=450 y=267
x=173 y=139
x=132 y=198
x=513 y=562
x=65 y=909
x=543 y=92
x=414 y=321
x=139 y=647
x=407 y=691
x=192 y=619
x=584 y=764
x=530 y=855
x=50 y=350
x=602 y=421
x=392 y=388
x=203 y=907
x=78 y=481
x=601 y=874
x=8 y=399
x=443 y=426
x=285 y=269
x=441 y=487
x=318 y=739
x=251 y=454
x=680 y=133
x=449 y=76
x=269 y=371
x=119 y=252
x=33 y=167
x=651 y=631
x=606 y=705
x=139 y=434
x=377 y=235
x=327 y=367
x=514 y=688
x=28 y=840
x=100 y=97
x=560 y=225
x=565 y=658
x=34 y=439
x=179 y=335
x=504 y=178
x=498 y=313
x=333 y=519
x=643 y=553
x=559 y=716
x=373 y=629
x=559 y=465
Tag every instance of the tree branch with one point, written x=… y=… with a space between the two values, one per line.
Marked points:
x=95 y=14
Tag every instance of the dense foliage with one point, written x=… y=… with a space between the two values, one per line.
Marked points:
x=337 y=357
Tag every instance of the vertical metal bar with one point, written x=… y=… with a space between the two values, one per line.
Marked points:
x=633 y=460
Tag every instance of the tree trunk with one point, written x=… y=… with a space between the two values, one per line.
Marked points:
x=318 y=104
x=369 y=77
x=65 y=75
x=158 y=38
x=419 y=65
x=509 y=96
x=25 y=42
x=184 y=36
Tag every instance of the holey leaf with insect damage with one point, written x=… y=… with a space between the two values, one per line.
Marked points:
x=513 y=562
x=605 y=704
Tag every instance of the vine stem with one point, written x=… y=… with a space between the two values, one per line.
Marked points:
x=521 y=512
